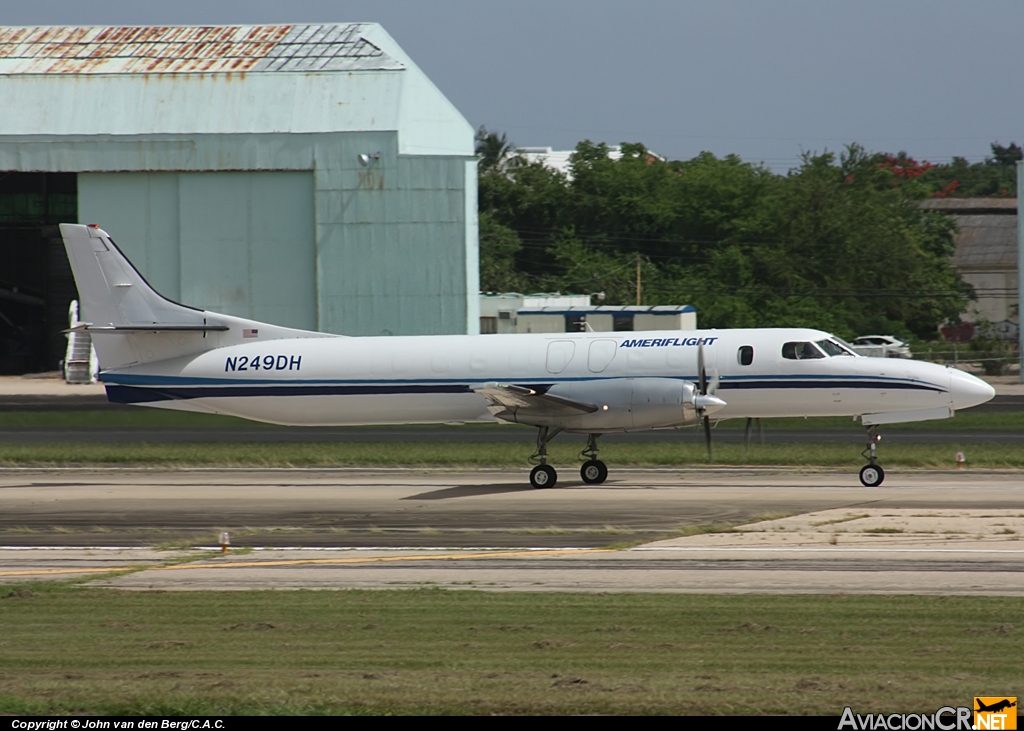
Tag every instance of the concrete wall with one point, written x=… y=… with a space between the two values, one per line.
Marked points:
x=997 y=295
x=541 y=323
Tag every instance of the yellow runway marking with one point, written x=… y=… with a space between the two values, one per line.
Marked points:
x=310 y=561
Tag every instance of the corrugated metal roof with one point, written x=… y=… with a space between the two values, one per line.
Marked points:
x=190 y=49
x=971 y=206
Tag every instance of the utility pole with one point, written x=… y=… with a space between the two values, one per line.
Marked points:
x=638 y=289
x=1020 y=269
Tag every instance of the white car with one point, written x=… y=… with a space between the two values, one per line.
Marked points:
x=882 y=346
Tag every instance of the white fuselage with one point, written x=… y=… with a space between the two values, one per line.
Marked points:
x=431 y=379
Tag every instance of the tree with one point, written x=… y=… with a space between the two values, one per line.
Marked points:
x=1006 y=156
x=996 y=176
x=840 y=243
x=499 y=246
x=495 y=152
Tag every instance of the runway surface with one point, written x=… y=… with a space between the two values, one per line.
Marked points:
x=418 y=507
x=944 y=533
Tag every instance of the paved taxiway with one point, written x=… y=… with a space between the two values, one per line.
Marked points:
x=441 y=508
x=947 y=533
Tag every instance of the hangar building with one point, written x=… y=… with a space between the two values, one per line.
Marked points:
x=306 y=175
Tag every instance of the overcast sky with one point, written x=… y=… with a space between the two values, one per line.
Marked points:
x=765 y=79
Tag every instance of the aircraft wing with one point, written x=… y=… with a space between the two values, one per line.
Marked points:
x=508 y=397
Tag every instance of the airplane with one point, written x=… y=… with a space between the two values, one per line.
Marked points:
x=158 y=353
x=995 y=707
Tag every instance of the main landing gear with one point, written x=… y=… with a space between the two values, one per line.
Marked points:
x=543 y=475
x=871 y=474
x=593 y=471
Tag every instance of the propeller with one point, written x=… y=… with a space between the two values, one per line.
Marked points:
x=706 y=401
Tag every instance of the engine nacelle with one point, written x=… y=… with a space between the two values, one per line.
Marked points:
x=625 y=404
x=663 y=402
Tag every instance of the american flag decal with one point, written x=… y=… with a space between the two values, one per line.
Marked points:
x=250 y=333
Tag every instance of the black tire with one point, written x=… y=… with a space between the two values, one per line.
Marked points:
x=594 y=472
x=871 y=475
x=543 y=476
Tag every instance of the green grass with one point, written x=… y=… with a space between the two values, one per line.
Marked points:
x=70 y=649
x=127 y=418
x=468 y=455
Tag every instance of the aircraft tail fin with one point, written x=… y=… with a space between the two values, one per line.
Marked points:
x=133 y=322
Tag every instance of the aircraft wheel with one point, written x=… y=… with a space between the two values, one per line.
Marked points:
x=871 y=475
x=543 y=476
x=594 y=472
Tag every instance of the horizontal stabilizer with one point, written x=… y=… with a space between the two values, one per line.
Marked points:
x=154 y=328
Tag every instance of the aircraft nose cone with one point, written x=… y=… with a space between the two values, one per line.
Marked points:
x=710 y=404
x=967 y=391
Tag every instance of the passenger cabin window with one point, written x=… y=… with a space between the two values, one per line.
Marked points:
x=801 y=351
x=745 y=355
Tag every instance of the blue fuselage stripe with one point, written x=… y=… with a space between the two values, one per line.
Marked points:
x=135 y=394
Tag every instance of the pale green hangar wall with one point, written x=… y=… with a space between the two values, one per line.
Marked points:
x=241 y=243
x=286 y=228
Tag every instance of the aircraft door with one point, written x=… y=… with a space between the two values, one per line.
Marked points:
x=560 y=352
x=601 y=354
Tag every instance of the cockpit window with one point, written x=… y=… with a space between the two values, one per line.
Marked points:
x=846 y=346
x=801 y=351
x=832 y=348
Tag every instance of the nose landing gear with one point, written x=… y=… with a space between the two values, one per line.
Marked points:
x=871 y=474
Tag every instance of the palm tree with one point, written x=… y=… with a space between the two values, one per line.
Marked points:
x=494 y=151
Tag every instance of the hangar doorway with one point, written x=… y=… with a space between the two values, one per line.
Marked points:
x=36 y=285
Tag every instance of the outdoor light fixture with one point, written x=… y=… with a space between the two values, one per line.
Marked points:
x=366 y=158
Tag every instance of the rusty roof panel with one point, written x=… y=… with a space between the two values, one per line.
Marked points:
x=190 y=49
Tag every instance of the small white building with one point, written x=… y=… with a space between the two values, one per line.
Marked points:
x=556 y=313
x=499 y=312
